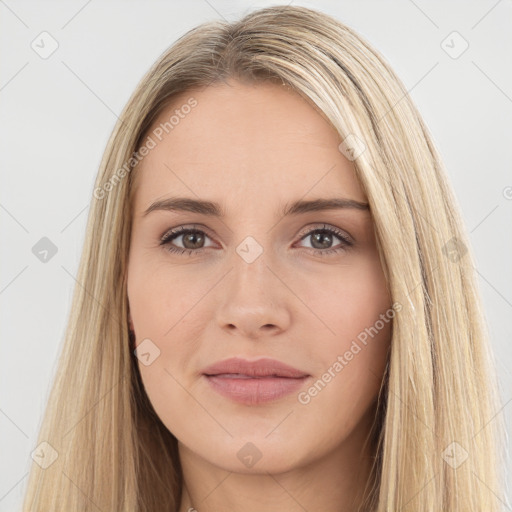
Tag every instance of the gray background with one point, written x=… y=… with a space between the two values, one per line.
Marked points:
x=58 y=112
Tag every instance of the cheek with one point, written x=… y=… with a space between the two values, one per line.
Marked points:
x=353 y=309
x=159 y=312
x=159 y=296
x=348 y=300
x=163 y=307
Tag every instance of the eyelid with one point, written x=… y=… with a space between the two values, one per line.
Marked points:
x=185 y=228
x=319 y=226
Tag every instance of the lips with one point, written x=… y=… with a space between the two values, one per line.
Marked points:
x=261 y=368
x=254 y=382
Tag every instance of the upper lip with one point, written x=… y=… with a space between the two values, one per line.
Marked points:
x=264 y=367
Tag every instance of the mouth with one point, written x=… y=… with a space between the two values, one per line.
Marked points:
x=254 y=382
x=254 y=390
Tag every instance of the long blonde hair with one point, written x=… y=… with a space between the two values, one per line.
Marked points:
x=438 y=439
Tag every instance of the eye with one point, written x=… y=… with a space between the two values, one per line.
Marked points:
x=323 y=237
x=192 y=238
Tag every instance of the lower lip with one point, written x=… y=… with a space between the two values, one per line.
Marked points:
x=252 y=391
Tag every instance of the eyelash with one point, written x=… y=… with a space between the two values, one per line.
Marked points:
x=175 y=233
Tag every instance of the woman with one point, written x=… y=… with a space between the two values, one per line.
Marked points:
x=310 y=340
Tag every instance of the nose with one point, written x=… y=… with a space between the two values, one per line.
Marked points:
x=253 y=301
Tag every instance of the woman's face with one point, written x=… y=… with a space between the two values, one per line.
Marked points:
x=248 y=281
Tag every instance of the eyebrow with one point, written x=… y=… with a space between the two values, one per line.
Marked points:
x=214 y=209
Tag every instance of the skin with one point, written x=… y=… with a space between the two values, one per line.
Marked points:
x=253 y=148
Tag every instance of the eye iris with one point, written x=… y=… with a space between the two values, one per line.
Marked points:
x=195 y=237
x=325 y=240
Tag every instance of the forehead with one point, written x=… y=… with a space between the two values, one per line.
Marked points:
x=241 y=142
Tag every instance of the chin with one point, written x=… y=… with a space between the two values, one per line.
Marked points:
x=260 y=454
